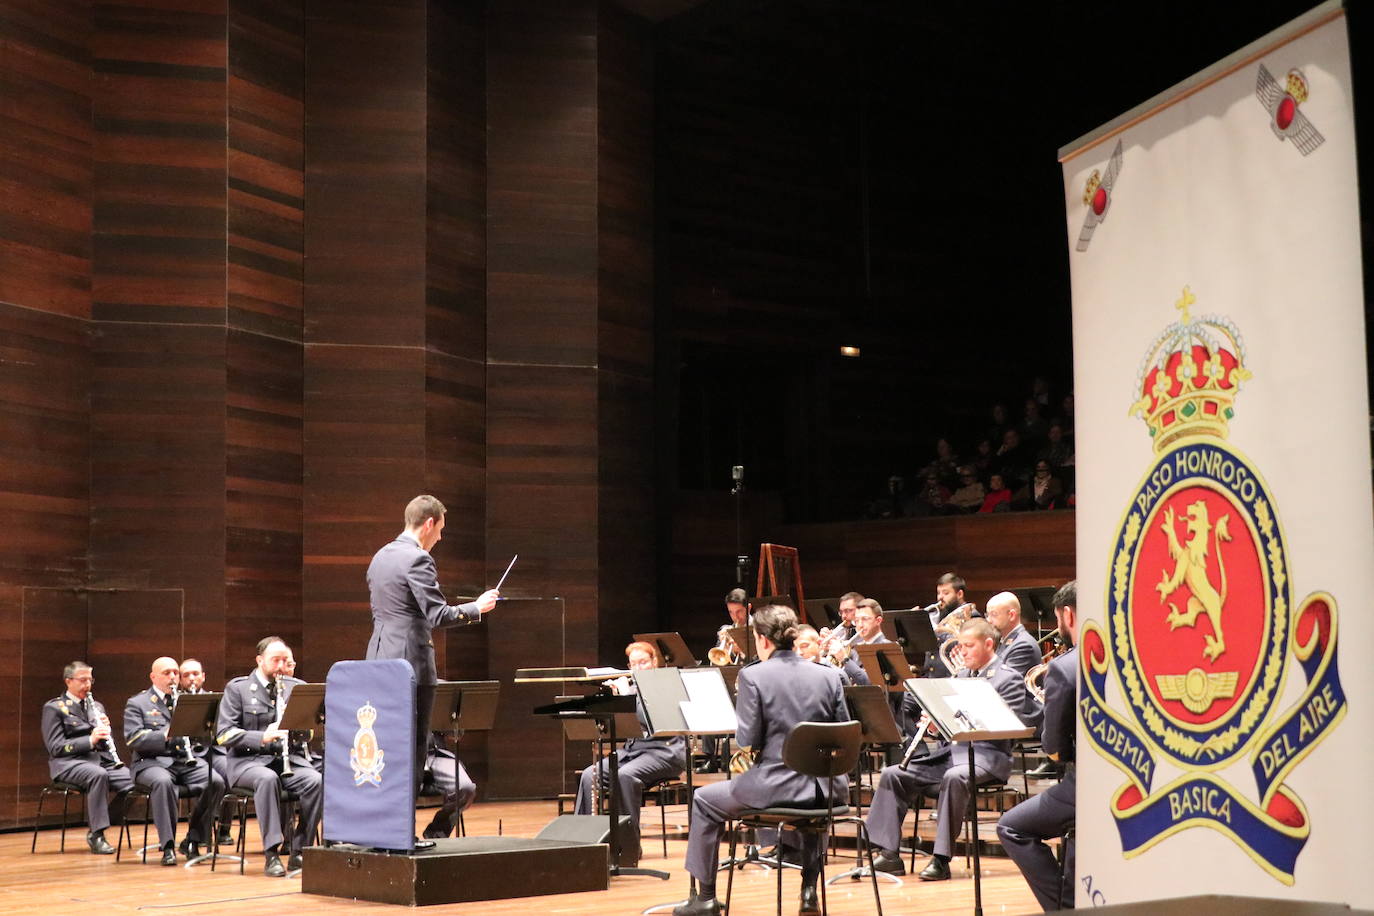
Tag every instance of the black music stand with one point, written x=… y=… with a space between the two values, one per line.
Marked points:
x=304 y=710
x=966 y=710
x=823 y=612
x=672 y=647
x=912 y=631
x=194 y=718
x=870 y=705
x=661 y=694
x=744 y=641
x=460 y=707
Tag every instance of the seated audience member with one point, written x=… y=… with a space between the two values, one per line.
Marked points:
x=944 y=465
x=984 y=457
x=77 y=734
x=161 y=764
x=1032 y=427
x=1066 y=414
x=1013 y=460
x=932 y=498
x=1044 y=491
x=1058 y=450
x=445 y=775
x=999 y=425
x=1024 y=829
x=1040 y=392
x=642 y=762
x=998 y=498
x=943 y=770
x=970 y=494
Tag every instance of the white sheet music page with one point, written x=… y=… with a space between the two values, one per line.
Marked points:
x=708 y=707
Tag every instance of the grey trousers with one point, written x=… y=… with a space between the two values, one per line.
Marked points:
x=459 y=792
x=898 y=788
x=633 y=776
x=305 y=782
x=99 y=782
x=161 y=783
x=712 y=806
x=1023 y=831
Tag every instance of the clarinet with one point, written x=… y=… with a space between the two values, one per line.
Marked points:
x=286 y=742
x=89 y=703
x=184 y=742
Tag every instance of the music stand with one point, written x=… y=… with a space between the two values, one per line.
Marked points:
x=662 y=692
x=672 y=647
x=885 y=664
x=969 y=709
x=823 y=612
x=304 y=710
x=911 y=630
x=464 y=706
x=1037 y=607
x=194 y=717
x=744 y=641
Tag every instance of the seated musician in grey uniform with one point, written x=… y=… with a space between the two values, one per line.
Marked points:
x=76 y=732
x=943 y=770
x=161 y=764
x=445 y=775
x=772 y=697
x=247 y=729
x=1024 y=829
x=1015 y=647
x=192 y=679
x=811 y=646
x=642 y=762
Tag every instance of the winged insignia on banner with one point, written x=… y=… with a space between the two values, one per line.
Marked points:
x=1285 y=119
x=1097 y=197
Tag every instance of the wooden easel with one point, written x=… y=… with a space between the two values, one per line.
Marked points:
x=781 y=570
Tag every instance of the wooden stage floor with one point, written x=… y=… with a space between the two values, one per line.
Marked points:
x=74 y=882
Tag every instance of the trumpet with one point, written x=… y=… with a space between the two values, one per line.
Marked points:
x=725 y=651
x=836 y=653
x=104 y=720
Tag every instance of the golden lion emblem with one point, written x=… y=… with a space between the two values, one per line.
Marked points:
x=1190 y=567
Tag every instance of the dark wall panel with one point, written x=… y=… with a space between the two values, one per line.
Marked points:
x=52 y=632
x=263 y=351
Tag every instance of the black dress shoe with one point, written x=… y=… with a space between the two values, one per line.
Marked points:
x=296 y=862
x=225 y=838
x=423 y=844
x=1047 y=770
x=697 y=906
x=710 y=766
x=436 y=830
x=98 y=845
x=937 y=870
x=169 y=855
x=810 y=902
x=189 y=848
x=889 y=863
x=274 y=868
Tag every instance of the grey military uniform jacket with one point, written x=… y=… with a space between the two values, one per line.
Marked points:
x=991 y=756
x=772 y=697
x=146 y=719
x=67 y=735
x=1019 y=650
x=407 y=605
x=245 y=712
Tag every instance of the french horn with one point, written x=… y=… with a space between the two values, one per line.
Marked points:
x=743 y=760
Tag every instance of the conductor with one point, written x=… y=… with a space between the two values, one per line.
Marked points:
x=407 y=605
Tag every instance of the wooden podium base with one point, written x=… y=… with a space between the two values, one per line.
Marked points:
x=458 y=870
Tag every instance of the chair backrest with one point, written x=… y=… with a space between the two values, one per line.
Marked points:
x=822 y=749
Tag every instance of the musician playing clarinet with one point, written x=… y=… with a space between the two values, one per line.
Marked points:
x=160 y=764
x=81 y=751
x=261 y=756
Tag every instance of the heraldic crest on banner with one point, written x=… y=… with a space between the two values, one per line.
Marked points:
x=365 y=756
x=1200 y=623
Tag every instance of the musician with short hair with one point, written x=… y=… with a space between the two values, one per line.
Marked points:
x=1024 y=829
x=942 y=770
x=868 y=622
x=642 y=762
x=849 y=603
x=191 y=676
x=161 y=764
x=1016 y=648
x=773 y=696
x=81 y=751
x=249 y=716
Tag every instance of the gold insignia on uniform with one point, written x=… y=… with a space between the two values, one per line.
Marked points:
x=69 y=749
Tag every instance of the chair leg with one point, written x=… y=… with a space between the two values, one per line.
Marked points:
x=462 y=825
x=663 y=825
x=830 y=831
x=243 y=833
x=147 y=816
x=66 y=797
x=37 y=819
x=733 y=827
x=779 y=869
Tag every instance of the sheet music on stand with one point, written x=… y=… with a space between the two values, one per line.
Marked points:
x=681 y=701
x=967 y=709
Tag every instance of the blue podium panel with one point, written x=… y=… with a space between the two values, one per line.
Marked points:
x=369 y=745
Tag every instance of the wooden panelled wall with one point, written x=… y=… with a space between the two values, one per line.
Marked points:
x=270 y=267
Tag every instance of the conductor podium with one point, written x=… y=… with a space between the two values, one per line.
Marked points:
x=369 y=821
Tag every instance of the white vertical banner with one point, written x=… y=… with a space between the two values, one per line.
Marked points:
x=1225 y=523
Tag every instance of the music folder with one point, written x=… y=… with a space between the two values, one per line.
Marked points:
x=672 y=647
x=884 y=664
x=967 y=708
x=304 y=710
x=679 y=701
x=868 y=703
x=194 y=716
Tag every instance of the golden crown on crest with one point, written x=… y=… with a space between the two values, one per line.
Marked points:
x=1189 y=377
x=367 y=714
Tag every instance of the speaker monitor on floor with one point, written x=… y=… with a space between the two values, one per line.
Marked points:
x=593 y=828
